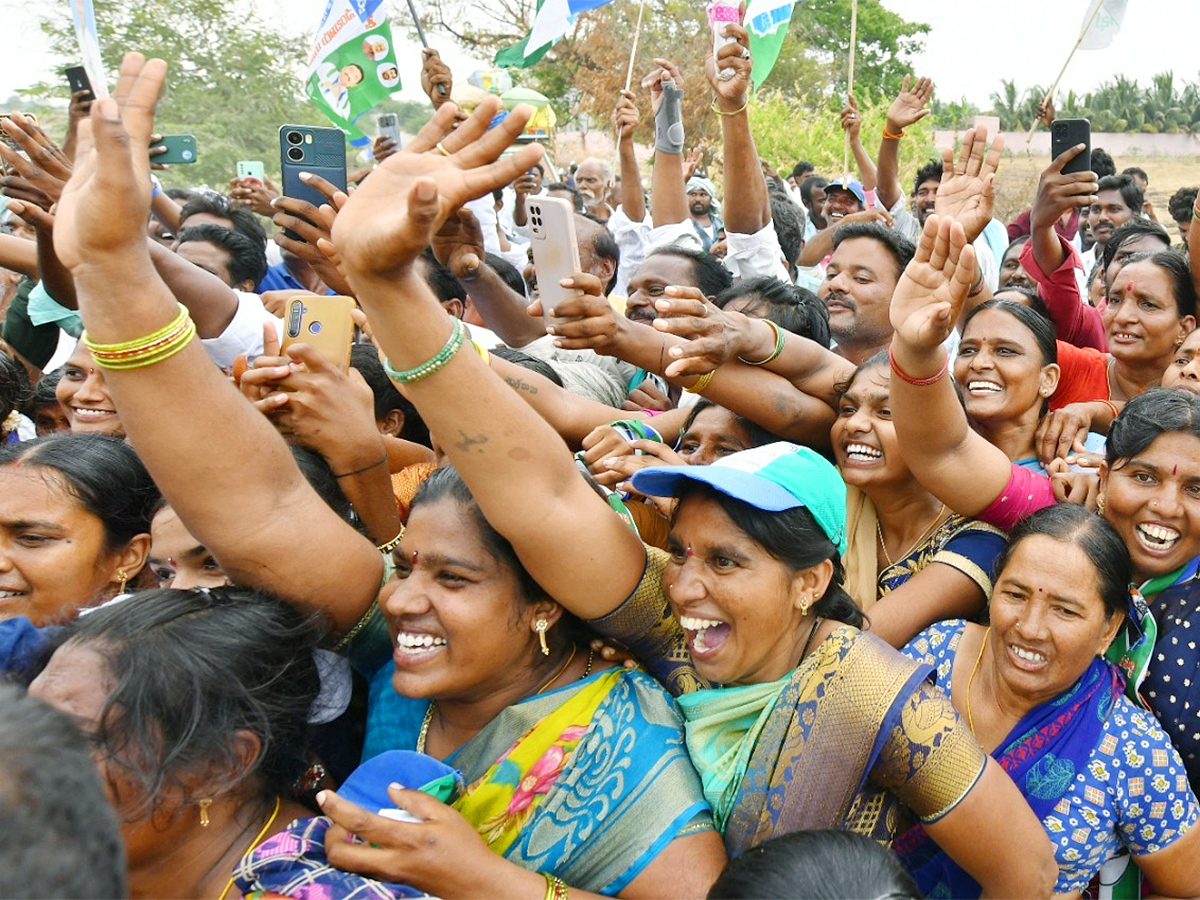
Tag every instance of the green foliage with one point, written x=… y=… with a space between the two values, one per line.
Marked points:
x=1120 y=105
x=233 y=81
x=785 y=134
x=954 y=115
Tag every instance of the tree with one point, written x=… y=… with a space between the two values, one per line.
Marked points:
x=233 y=81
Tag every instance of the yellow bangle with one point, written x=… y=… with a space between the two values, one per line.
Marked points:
x=701 y=383
x=774 y=353
x=721 y=112
x=146 y=350
x=556 y=888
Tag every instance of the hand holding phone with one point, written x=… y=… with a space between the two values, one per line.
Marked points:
x=324 y=323
x=555 y=250
x=321 y=151
x=174 y=149
x=1067 y=133
x=77 y=78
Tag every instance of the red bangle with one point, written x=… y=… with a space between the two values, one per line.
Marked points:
x=918 y=382
x=1112 y=406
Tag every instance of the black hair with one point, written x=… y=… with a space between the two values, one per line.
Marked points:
x=45 y=391
x=1134 y=171
x=802 y=169
x=807 y=186
x=1131 y=194
x=441 y=280
x=1152 y=413
x=180 y=195
x=58 y=833
x=1019 y=241
x=1181 y=204
x=102 y=473
x=789 y=225
x=795 y=539
x=1070 y=523
x=901 y=248
x=792 y=308
x=931 y=171
x=365 y=358
x=1176 y=268
x=708 y=273
x=1033 y=299
x=1135 y=228
x=755 y=433
x=446 y=484
x=247 y=259
x=1102 y=163
x=875 y=361
x=14 y=386
x=576 y=197
x=817 y=865
x=244 y=221
x=526 y=361
x=508 y=273
x=1038 y=325
x=320 y=477
x=192 y=668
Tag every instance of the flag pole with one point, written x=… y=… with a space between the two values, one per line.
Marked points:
x=850 y=82
x=1061 y=72
x=441 y=88
x=637 y=32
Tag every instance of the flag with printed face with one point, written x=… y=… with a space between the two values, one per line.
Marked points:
x=550 y=22
x=352 y=63
x=767 y=22
x=89 y=45
x=1109 y=14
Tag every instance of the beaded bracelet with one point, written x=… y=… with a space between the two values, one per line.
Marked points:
x=701 y=383
x=918 y=382
x=145 y=350
x=433 y=364
x=774 y=353
x=556 y=888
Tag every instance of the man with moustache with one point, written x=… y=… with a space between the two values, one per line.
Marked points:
x=703 y=207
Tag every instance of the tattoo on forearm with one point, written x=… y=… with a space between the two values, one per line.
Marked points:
x=518 y=384
x=467 y=441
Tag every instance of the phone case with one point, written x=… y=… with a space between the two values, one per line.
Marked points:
x=389 y=126
x=181 y=149
x=323 y=323
x=1065 y=134
x=309 y=148
x=555 y=251
x=77 y=78
x=251 y=169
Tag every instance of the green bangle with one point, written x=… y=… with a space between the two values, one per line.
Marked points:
x=435 y=363
x=774 y=353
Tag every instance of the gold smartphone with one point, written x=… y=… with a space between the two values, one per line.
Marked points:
x=323 y=323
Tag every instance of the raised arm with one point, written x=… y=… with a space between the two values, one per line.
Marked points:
x=909 y=107
x=852 y=126
x=746 y=209
x=954 y=463
x=564 y=534
x=244 y=506
x=668 y=186
x=625 y=119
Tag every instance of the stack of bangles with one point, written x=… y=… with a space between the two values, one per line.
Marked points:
x=701 y=383
x=774 y=353
x=556 y=888
x=918 y=382
x=148 y=349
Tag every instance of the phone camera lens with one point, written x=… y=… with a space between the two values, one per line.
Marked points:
x=294 y=137
x=314 y=327
x=295 y=154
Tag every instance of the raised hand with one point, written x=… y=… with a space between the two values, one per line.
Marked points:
x=851 y=120
x=665 y=71
x=625 y=116
x=383 y=147
x=1058 y=193
x=101 y=217
x=692 y=162
x=258 y=197
x=733 y=92
x=967 y=191
x=312 y=225
x=44 y=165
x=910 y=106
x=390 y=219
x=931 y=292
x=436 y=79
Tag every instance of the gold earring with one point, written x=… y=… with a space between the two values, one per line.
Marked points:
x=204 y=805
x=805 y=604
x=1100 y=504
x=541 y=626
x=124 y=580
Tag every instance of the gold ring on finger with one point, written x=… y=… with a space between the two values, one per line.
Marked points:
x=442 y=150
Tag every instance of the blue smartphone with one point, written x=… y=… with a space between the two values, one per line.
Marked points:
x=309 y=148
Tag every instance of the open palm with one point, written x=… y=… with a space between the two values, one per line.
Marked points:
x=931 y=292
x=967 y=191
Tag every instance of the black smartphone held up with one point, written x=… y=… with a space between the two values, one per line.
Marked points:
x=308 y=148
x=77 y=78
x=1065 y=134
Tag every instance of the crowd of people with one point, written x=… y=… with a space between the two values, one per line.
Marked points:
x=817 y=539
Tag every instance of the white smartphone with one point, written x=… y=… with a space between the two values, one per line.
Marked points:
x=251 y=169
x=555 y=250
x=389 y=126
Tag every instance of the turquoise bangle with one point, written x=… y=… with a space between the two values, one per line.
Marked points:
x=435 y=363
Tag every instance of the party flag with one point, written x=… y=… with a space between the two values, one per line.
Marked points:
x=1105 y=25
x=550 y=22
x=767 y=21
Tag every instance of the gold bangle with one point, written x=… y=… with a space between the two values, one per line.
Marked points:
x=774 y=353
x=701 y=383
x=721 y=112
x=556 y=888
x=392 y=544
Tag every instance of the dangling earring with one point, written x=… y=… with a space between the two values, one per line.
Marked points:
x=125 y=580
x=1100 y=504
x=804 y=605
x=204 y=805
x=541 y=626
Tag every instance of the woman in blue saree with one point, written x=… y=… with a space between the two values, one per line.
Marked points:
x=1037 y=691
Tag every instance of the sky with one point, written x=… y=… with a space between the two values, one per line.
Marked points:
x=971 y=45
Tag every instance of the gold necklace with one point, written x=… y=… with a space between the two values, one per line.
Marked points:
x=254 y=843
x=915 y=544
x=971 y=680
x=423 y=734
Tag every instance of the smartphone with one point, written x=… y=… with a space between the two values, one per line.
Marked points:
x=323 y=323
x=181 y=149
x=251 y=170
x=77 y=78
x=389 y=127
x=1065 y=134
x=309 y=148
x=555 y=250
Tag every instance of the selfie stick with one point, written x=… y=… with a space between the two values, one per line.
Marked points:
x=637 y=31
x=441 y=88
x=1061 y=72
x=850 y=83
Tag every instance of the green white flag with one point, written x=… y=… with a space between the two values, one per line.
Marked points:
x=767 y=21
